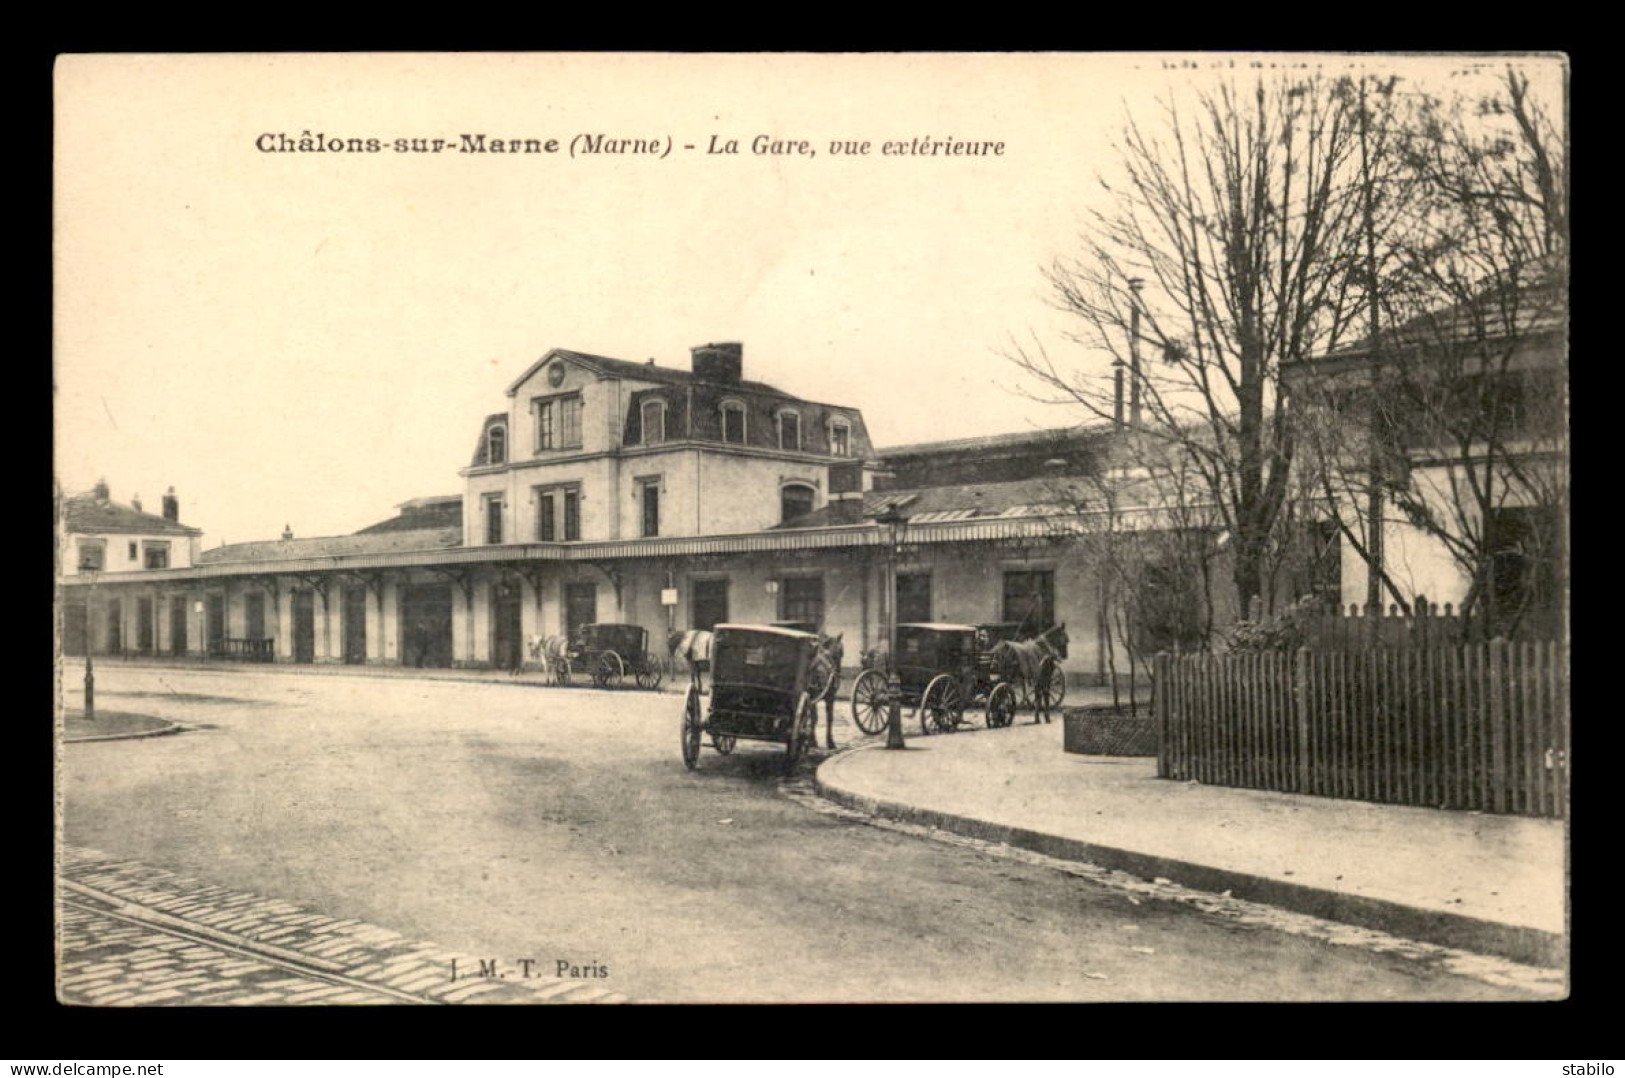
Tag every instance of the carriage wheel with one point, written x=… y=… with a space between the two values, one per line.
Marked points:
x=802 y=730
x=692 y=727
x=941 y=705
x=648 y=676
x=723 y=743
x=1043 y=698
x=869 y=702
x=608 y=670
x=560 y=670
x=1056 y=683
x=1001 y=706
x=951 y=705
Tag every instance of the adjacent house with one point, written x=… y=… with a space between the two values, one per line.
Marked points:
x=101 y=539
x=1451 y=431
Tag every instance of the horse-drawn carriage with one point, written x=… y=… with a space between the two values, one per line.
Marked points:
x=945 y=669
x=990 y=635
x=765 y=685
x=608 y=653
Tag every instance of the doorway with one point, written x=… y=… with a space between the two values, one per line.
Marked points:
x=507 y=639
x=355 y=625
x=710 y=603
x=115 y=626
x=304 y=626
x=580 y=607
x=216 y=641
x=425 y=625
x=144 y=614
x=177 y=624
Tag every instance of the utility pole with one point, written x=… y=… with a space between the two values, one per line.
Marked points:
x=1374 y=495
x=1134 y=286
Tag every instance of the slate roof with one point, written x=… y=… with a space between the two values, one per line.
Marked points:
x=761 y=403
x=273 y=550
x=87 y=514
x=419 y=514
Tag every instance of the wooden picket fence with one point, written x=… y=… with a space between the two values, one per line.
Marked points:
x=1476 y=726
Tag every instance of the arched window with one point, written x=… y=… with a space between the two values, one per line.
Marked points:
x=654 y=422
x=795 y=500
x=733 y=422
x=496 y=451
x=789 y=429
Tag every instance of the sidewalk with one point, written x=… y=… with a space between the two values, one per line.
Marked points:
x=1488 y=884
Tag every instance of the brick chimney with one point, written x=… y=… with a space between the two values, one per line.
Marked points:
x=287 y=531
x=101 y=491
x=172 y=507
x=721 y=364
x=135 y=503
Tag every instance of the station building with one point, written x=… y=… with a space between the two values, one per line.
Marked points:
x=609 y=490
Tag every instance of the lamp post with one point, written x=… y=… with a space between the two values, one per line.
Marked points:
x=894 y=525
x=89 y=573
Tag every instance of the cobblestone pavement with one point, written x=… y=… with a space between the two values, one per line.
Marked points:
x=133 y=935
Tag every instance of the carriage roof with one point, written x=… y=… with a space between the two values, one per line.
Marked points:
x=775 y=630
x=614 y=630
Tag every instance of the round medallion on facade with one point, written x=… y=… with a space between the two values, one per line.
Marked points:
x=555 y=374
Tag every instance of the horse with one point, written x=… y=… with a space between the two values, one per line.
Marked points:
x=547 y=650
x=829 y=654
x=693 y=646
x=1024 y=660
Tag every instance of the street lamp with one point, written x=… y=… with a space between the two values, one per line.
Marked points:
x=88 y=572
x=894 y=526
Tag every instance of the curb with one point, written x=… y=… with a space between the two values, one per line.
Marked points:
x=163 y=731
x=1520 y=944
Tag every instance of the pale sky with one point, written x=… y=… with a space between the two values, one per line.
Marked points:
x=310 y=338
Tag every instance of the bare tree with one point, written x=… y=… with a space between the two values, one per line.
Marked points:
x=1141 y=522
x=1227 y=252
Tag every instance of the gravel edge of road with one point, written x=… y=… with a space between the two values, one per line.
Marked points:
x=1542 y=982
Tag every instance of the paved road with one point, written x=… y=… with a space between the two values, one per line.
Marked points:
x=559 y=826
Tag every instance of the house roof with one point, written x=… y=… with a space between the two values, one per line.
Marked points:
x=625 y=368
x=445 y=511
x=370 y=542
x=90 y=514
x=1500 y=311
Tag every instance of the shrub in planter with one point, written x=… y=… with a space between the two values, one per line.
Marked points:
x=1107 y=730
